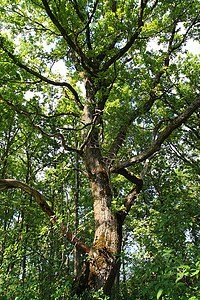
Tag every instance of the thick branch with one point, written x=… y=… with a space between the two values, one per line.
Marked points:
x=89 y=133
x=156 y=145
x=132 y=195
x=131 y=177
x=123 y=50
x=138 y=183
x=66 y=36
x=146 y=107
x=58 y=25
x=12 y=183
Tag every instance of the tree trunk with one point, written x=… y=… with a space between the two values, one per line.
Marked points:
x=104 y=262
x=104 y=259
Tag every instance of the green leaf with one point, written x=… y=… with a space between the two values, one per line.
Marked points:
x=159 y=293
x=180 y=276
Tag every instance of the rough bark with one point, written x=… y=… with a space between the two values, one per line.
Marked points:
x=103 y=262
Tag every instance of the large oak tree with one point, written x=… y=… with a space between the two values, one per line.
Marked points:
x=127 y=76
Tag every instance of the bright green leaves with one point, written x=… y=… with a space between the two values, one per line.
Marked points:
x=159 y=293
x=139 y=84
x=165 y=224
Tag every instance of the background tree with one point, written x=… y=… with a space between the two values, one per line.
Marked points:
x=136 y=98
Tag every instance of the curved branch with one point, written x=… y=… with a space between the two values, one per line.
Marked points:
x=162 y=136
x=134 y=192
x=12 y=183
x=89 y=133
x=123 y=50
x=121 y=136
x=36 y=74
x=131 y=177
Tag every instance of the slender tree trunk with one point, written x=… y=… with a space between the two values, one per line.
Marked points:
x=76 y=220
x=3 y=245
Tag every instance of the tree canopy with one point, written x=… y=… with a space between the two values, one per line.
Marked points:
x=99 y=178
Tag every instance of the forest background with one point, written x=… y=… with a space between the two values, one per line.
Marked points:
x=99 y=137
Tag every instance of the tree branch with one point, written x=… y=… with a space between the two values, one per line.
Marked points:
x=58 y=134
x=162 y=136
x=76 y=8
x=77 y=100
x=65 y=35
x=131 y=41
x=133 y=193
x=89 y=20
x=131 y=177
x=36 y=74
x=12 y=183
x=89 y=133
x=58 y=25
x=147 y=105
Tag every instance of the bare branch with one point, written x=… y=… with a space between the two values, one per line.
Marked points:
x=138 y=183
x=146 y=165
x=77 y=100
x=132 y=195
x=131 y=177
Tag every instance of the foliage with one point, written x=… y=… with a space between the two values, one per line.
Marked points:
x=113 y=79
x=165 y=262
